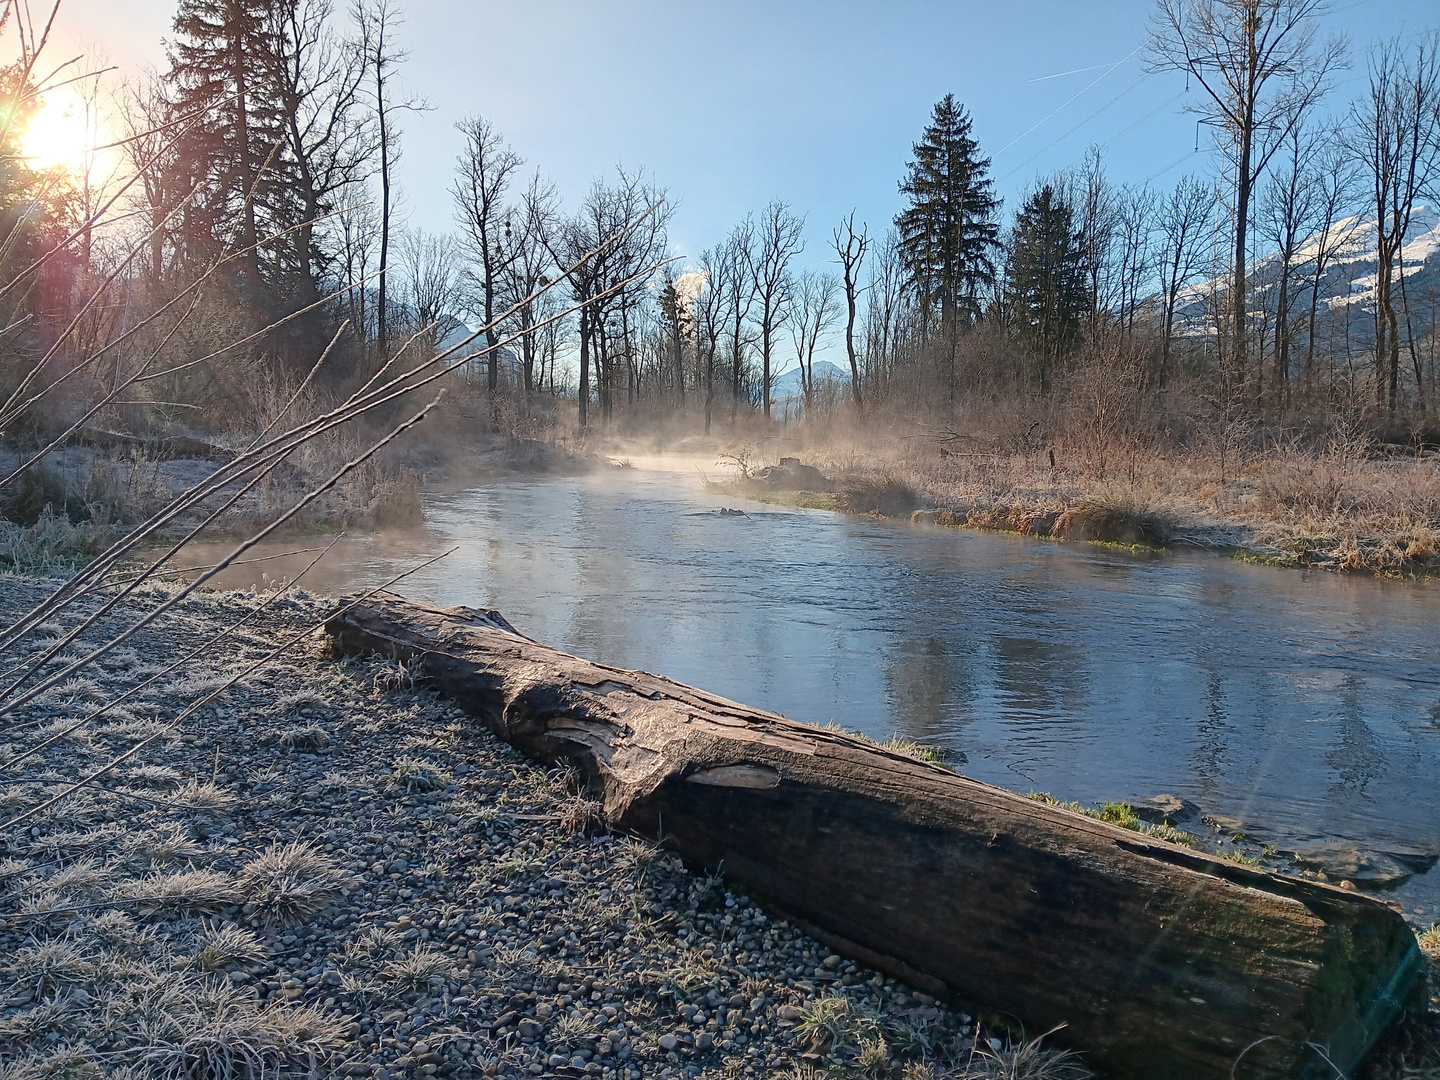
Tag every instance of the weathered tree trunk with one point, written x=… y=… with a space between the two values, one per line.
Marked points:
x=1162 y=962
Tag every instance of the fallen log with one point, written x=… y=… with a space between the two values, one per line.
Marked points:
x=1160 y=961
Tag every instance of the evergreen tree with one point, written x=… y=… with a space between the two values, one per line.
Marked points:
x=1046 y=283
x=949 y=230
x=222 y=93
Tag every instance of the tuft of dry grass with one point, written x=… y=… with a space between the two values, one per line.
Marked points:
x=1029 y=1059
x=416 y=970
x=289 y=883
x=183 y=892
x=225 y=1036
x=412 y=775
x=220 y=946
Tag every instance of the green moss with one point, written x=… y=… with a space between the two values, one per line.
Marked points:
x=1240 y=858
x=1117 y=813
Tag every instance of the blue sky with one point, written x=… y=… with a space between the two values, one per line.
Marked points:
x=732 y=104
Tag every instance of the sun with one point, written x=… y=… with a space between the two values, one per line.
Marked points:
x=63 y=134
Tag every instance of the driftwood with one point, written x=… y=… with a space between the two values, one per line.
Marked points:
x=160 y=446
x=1160 y=961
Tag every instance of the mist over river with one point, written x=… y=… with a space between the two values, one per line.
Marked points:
x=1303 y=705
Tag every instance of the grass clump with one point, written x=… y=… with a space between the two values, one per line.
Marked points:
x=1430 y=942
x=412 y=775
x=416 y=970
x=42 y=967
x=289 y=883
x=898 y=744
x=221 y=946
x=1117 y=813
x=1029 y=1059
x=225 y=1036
x=184 y=892
x=308 y=738
x=933 y=755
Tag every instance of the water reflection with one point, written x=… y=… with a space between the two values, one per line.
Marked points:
x=1297 y=703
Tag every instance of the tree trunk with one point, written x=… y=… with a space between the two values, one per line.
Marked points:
x=1160 y=960
x=584 y=393
x=382 y=330
x=850 y=343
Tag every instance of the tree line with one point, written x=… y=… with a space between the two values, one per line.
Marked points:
x=260 y=185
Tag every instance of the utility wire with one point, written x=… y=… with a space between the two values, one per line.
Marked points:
x=1058 y=108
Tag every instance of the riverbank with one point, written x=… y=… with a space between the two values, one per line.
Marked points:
x=1345 y=513
x=69 y=507
x=328 y=868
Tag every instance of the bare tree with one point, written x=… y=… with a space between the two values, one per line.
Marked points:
x=377 y=20
x=1185 y=222
x=358 y=235
x=1335 y=181
x=781 y=240
x=1286 y=214
x=709 y=316
x=1134 y=249
x=526 y=267
x=483 y=177
x=738 y=280
x=318 y=80
x=150 y=146
x=886 y=312
x=431 y=263
x=1261 y=69
x=813 y=310
x=1097 y=217
x=1397 y=128
x=851 y=248
x=606 y=249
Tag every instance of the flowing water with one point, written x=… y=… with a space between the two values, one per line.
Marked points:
x=1296 y=705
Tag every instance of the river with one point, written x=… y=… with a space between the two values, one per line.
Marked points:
x=1299 y=705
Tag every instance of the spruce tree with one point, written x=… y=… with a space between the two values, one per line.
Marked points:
x=1046 y=283
x=221 y=85
x=949 y=230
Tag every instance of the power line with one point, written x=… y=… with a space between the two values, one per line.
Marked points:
x=1088 y=85
x=1077 y=127
x=1062 y=74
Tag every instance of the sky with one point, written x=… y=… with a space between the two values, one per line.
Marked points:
x=731 y=104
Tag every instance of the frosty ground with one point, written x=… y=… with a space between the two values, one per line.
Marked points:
x=330 y=870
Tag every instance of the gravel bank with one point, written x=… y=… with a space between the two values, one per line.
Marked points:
x=329 y=871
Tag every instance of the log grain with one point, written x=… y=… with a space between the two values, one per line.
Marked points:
x=1159 y=961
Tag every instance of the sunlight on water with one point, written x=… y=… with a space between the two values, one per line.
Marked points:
x=1300 y=705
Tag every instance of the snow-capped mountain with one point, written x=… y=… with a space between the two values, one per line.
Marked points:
x=788 y=384
x=1346 y=311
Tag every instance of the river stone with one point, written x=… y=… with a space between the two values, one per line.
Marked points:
x=1374 y=869
x=1165 y=810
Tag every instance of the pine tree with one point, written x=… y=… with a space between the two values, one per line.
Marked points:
x=949 y=230
x=220 y=81
x=1046 y=285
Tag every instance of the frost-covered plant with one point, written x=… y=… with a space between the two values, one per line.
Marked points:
x=221 y=946
x=411 y=775
x=288 y=883
x=415 y=970
x=44 y=966
x=184 y=892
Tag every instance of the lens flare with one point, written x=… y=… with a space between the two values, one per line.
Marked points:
x=63 y=134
